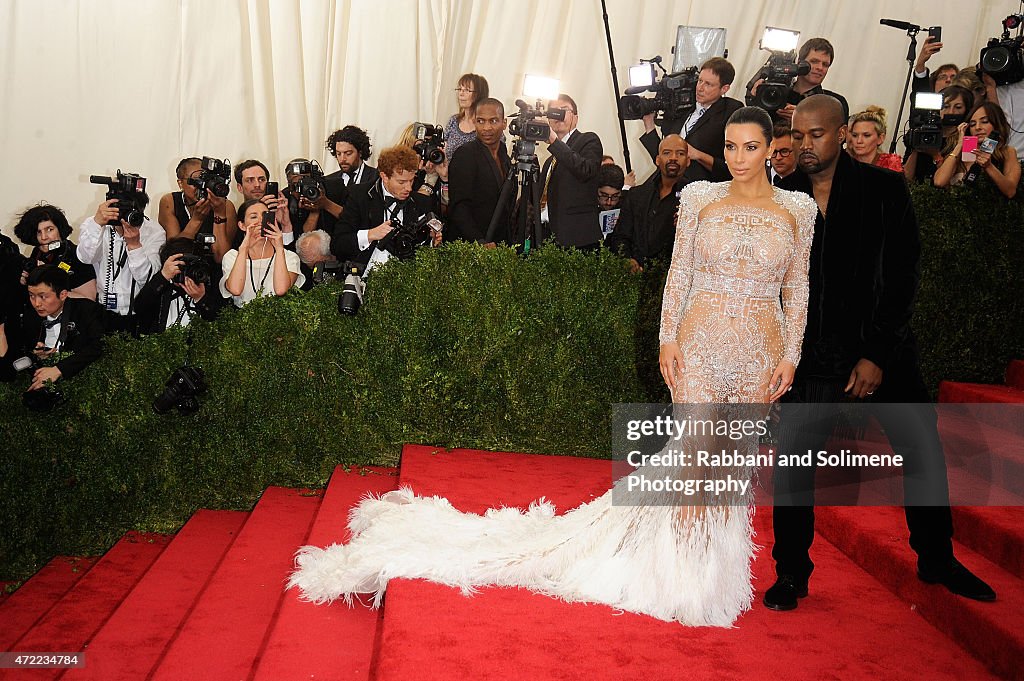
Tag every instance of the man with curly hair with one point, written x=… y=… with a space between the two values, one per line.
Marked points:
x=350 y=146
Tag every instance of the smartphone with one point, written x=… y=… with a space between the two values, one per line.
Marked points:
x=970 y=146
x=268 y=219
x=935 y=33
x=988 y=145
x=271 y=189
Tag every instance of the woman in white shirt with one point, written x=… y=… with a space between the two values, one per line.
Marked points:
x=260 y=266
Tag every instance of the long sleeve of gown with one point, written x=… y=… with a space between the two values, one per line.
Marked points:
x=795 y=281
x=680 y=272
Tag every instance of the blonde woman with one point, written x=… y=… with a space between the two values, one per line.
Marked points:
x=867 y=134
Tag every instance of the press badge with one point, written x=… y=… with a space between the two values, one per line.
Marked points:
x=111 y=303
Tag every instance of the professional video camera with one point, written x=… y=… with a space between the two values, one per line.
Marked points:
x=406 y=237
x=529 y=129
x=183 y=389
x=925 y=125
x=305 y=180
x=352 y=294
x=1002 y=58
x=129 y=190
x=674 y=95
x=778 y=72
x=429 y=142
x=214 y=177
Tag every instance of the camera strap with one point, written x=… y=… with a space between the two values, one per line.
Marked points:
x=113 y=274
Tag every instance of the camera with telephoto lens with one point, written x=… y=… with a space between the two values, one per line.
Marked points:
x=925 y=125
x=195 y=267
x=674 y=93
x=406 y=237
x=214 y=177
x=326 y=270
x=183 y=389
x=352 y=294
x=429 y=142
x=1002 y=58
x=305 y=180
x=129 y=191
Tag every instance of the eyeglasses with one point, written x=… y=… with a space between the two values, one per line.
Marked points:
x=781 y=153
x=463 y=88
x=609 y=197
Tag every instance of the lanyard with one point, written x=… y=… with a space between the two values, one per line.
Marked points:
x=252 y=276
x=112 y=275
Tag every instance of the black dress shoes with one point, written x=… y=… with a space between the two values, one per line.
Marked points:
x=958 y=579
x=783 y=594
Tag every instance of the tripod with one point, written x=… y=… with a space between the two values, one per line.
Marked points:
x=521 y=192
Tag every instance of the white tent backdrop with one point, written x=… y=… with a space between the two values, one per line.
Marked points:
x=91 y=86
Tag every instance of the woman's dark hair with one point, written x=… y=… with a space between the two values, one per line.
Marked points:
x=948 y=95
x=244 y=208
x=51 y=275
x=755 y=115
x=480 y=88
x=28 y=223
x=355 y=136
x=997 y=118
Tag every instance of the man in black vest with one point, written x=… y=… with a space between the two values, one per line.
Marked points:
x=864 y=270
x=372 y=213
x=61 y=326
x=475 y=176
x=569 y=179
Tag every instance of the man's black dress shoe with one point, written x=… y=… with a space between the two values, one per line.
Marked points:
x=783 y=594
x=958 y=579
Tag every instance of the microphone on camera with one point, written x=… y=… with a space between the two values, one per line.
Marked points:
x=902 y=25
x=522 y=105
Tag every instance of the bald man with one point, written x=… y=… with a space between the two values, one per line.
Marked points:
x=858 y=347
x=646 y=228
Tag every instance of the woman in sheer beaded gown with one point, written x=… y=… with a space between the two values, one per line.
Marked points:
x=732 y=321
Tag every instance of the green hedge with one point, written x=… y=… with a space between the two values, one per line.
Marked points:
x=462 y=347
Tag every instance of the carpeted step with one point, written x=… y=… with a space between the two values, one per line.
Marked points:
x=877 y=540
x=1015 y=374
x=23 y=608
x=850 y=627
x=951 y=391
x=223 y=635
x=133 y=639
x=327 y=641
x=71 y=623
x=995 y=532
x=989 y=451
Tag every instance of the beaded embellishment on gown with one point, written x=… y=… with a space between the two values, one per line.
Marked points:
x=735 y=302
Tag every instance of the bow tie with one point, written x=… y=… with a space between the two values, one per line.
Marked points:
x=50 y=324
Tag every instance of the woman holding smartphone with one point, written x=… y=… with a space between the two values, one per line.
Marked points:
x=981 y=152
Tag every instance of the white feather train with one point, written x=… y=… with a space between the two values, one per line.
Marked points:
x=656 y=560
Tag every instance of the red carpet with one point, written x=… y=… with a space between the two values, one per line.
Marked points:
x=21 y=610
x=431 y=631
x=1015 y=374
x=979 y=392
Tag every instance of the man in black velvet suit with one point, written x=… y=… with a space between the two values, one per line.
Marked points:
x=476 y=174
x=704 y=128
x=60 y=325
x=864 y=270
x=372 y=212
x=570 y=179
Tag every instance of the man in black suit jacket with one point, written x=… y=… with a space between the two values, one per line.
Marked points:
x=570 y=179
x=704 y=128
x=60 y=325
x=864 y=269
x=372 y=213
x=350 y=146
x=476 y=174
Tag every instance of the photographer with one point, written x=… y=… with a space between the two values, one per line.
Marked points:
x=704 y=128
x=180 y=291
x=46 y=229
x=123 y=256
x=261 y=265
x=373 y=213
x=350 y=147
x=181 y=213
x=64 y=335
x=313 y=249
x=920 y=166
x=569 y=179
x=646 y=229
x=309 y=214
x=931 y=82
x=476 y=175
x=1000 y=167
x=251 y=178
x=819 y=53
x=783 y=160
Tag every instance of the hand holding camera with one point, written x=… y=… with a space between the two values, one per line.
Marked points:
x=380 y=231
x=131 y=234
x=107 y=213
